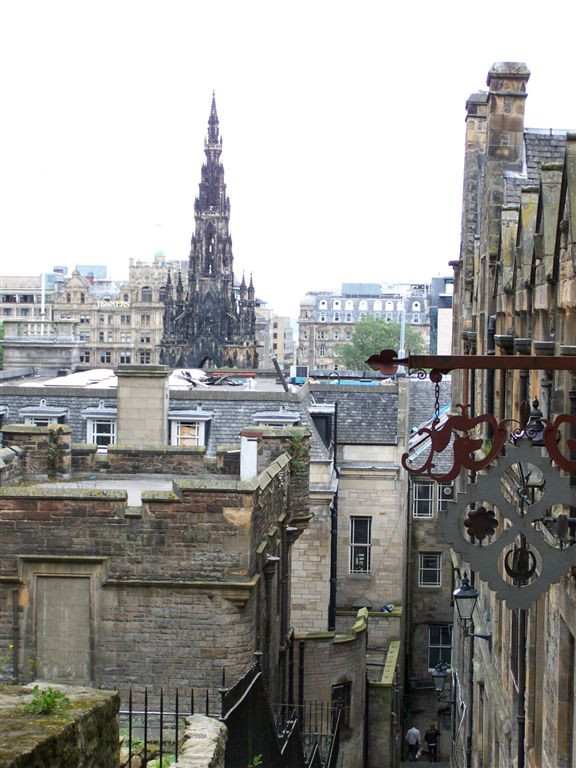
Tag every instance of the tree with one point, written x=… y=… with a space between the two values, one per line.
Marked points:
x=370 y=335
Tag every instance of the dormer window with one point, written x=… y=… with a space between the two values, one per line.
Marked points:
x=280 y=418
x=189 y=428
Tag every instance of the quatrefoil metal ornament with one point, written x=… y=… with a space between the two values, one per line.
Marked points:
x=536 y=562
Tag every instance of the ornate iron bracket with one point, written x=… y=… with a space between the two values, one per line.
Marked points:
x=437 y=366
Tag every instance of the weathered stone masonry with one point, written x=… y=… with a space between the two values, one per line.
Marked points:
x=177 y=586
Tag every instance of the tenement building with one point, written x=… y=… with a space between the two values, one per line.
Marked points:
x=327 y=319
x=117 y=323
x=205 y=323
x=514 y=289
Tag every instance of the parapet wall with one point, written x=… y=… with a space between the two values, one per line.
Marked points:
x=84 y=733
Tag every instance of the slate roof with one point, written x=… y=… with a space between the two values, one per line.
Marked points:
x=541 y=146
x=421 y=400
x=233 y=411
x=365 y=415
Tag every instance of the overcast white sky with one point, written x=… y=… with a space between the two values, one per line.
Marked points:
x=342 y=122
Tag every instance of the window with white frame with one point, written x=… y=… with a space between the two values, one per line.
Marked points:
x=349 y=305
x=336 y=304
x=321 y=350
x=187 y=433
x=389 y=306
x=101 y=431
x=360 y=544
x=439 y=644
x=348 y=317
x=40 y=421
x=323 y=304
x=189 y=428
x=415 y=306
x=429 y=569
x=377 y=306
x=363 y=306
x=422 y=500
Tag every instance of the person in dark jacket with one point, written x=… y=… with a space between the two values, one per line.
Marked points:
x=431 y=739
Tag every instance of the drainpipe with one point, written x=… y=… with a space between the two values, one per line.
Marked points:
x=470 y=686
x=490 y=350
x=15 y=636
x=334 y=532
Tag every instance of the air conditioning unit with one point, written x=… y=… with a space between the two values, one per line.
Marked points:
x=447 y=492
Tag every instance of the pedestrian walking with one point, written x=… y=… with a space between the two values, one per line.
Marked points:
x=414 y=742
x=431 y=738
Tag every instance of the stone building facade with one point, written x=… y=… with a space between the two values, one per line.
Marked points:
x=351 y=551
x=326 y=320
x=205 y=323
x=118 y=323
x=514 y=289
x=164 y=590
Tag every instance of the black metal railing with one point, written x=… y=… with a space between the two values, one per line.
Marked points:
x=320 y=725
x=153 y=723
x=288 y=736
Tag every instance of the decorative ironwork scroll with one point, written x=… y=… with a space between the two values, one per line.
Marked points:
x=452 y=435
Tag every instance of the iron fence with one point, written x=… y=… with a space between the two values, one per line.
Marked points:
x=288 y=736
x=153 y=723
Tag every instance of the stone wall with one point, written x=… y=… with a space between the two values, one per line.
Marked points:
x=169 y=459
x=84 y=457
x=383 y=712
x=330 y=660
x=175 y=587
x=372 y=486
x=204 y=743
x=86 y=733
x=311 y=573
x=11 y=464
x=46 y=450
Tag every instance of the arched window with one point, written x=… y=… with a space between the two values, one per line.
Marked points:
x=349 y=304
x=415 y=306
x=147 y=294
x=363 y=305
x=323 y=304
x=336 y=304
x=377 y=306
x=389 y=306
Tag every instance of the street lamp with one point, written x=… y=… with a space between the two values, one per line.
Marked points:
x=466 y=597
x=439 y=675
